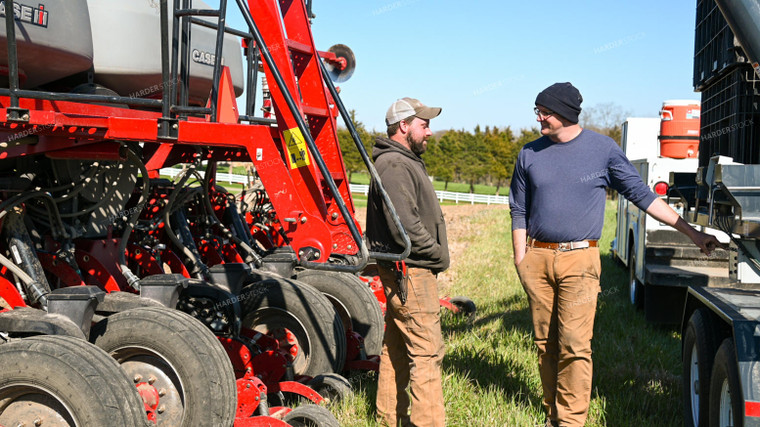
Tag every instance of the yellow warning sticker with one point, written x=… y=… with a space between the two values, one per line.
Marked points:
x=298 y=153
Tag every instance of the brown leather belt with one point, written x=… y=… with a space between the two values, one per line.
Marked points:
x=564 y=246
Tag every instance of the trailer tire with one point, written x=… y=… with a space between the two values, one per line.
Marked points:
x=354 y=302
x=726 y=402
x=187 y=361
x=275 y=303
x=311 y=416
x=636 y=288
x=66 y=381
x=699 y=347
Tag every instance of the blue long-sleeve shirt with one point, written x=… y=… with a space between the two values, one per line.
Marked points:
x=558 y=189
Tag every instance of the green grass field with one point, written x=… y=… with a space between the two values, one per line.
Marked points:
x=490 y=372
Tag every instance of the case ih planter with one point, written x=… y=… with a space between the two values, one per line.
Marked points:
x=97 y=246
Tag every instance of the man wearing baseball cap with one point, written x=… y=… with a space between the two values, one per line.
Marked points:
x=557 y=199
x=413 y=346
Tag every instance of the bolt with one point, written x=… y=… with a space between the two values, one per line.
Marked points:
x=316 y=255
x=335 y=215
x=175 y=126
x=86 y=258
x=161 y=392
x=350 y=246
x=25 y=117
x=37 y=422
x=161 y=409
x=303 y=220
x=247 y=386
x=151 y=380
x=335 y=246
x=138 y=378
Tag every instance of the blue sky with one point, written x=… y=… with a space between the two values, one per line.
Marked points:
x=484 y=62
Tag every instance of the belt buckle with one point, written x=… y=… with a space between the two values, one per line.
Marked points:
x=564 y=247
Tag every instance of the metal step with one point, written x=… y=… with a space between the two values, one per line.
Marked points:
x=685 y=255
x=668 y=275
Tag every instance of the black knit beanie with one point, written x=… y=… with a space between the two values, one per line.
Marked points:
x=563 y=99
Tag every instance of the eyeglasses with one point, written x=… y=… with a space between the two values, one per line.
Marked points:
x=542 y=114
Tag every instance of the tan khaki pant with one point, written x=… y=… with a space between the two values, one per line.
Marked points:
x=562 y=289
x=412 y=353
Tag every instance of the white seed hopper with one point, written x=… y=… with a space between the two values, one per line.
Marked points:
x=53 y=41
x=127 y=47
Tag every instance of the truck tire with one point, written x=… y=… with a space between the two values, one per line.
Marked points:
x=699 y=347
x=726 y=402
x=274 y=305
x=66 y=382
x=311 y=416
x=354 y=302
x=179 y=357
x=636 y=288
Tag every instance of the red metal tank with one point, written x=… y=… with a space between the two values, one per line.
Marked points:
x=679 y=129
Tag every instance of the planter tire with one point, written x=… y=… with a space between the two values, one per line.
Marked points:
x=66 y=382
x=274 y=304
x=354 y=302
x=332 y=387
x=187 y=361
x=311 y=416
x=465 y=305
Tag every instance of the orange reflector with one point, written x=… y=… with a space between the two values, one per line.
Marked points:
x=661 y=188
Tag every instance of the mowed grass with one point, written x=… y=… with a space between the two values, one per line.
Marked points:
x=490 y=372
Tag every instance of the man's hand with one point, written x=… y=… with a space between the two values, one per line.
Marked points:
x=706 y=242
x=660 y=211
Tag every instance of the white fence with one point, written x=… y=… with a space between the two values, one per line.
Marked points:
x=364 y=189
x=450 y=195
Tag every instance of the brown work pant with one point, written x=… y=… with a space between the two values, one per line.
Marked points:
x=412 y=353
x=562 y=289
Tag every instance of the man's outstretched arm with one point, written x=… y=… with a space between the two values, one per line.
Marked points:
x=662 y=212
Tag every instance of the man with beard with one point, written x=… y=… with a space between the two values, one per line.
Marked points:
x=413 y=346
x=557 y=199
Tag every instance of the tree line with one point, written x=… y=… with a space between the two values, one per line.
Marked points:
x=481 y=156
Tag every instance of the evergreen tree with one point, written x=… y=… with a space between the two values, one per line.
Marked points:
x=351 y=157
